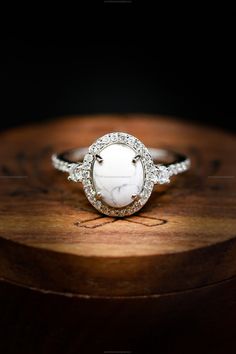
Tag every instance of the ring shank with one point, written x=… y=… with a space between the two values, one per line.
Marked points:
x=166 y=157
x=74 y=155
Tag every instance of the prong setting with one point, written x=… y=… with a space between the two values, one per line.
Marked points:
x=135 y=197
x=98 y=196
x=136 y=158
x=99 y=158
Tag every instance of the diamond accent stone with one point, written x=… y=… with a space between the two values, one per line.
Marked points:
x=162 y=175
x=106 y=139
x=88 y=158
x=114 y=137
x=75 y=173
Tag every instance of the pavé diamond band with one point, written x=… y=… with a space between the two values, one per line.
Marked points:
x=118 y=171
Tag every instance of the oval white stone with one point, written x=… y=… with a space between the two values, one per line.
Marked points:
x=117 y=178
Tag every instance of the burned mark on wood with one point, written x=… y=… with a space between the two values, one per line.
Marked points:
x=95 y=222
x=149 y=221
x=98 y=221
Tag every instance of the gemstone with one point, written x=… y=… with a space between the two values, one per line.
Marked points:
x=85 y=174
x=117 y=177
x=106 y=139
x=162 y=175
x=88 y=158
x=75 y=173
x=114 y=137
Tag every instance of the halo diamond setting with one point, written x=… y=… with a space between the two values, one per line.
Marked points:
x=119 y=182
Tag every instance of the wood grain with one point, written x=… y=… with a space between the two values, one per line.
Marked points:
x=53 y=240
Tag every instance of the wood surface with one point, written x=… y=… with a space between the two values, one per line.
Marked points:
x=51 y=238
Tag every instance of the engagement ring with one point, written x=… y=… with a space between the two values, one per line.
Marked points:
x=118 y=171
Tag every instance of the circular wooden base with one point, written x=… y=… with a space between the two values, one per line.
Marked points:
x=53 y=240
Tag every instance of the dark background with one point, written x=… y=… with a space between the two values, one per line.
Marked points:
x=119 y=59
x=124 y=61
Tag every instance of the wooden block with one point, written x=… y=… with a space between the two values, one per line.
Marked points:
x=51 y=238
x=192 y=321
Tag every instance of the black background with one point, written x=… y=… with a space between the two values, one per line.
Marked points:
x=122 y=58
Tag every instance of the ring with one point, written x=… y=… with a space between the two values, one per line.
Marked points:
x=118 y=171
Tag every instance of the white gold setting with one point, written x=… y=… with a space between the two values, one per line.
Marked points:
x=122 y=189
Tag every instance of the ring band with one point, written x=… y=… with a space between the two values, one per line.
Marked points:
x=118 y=171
